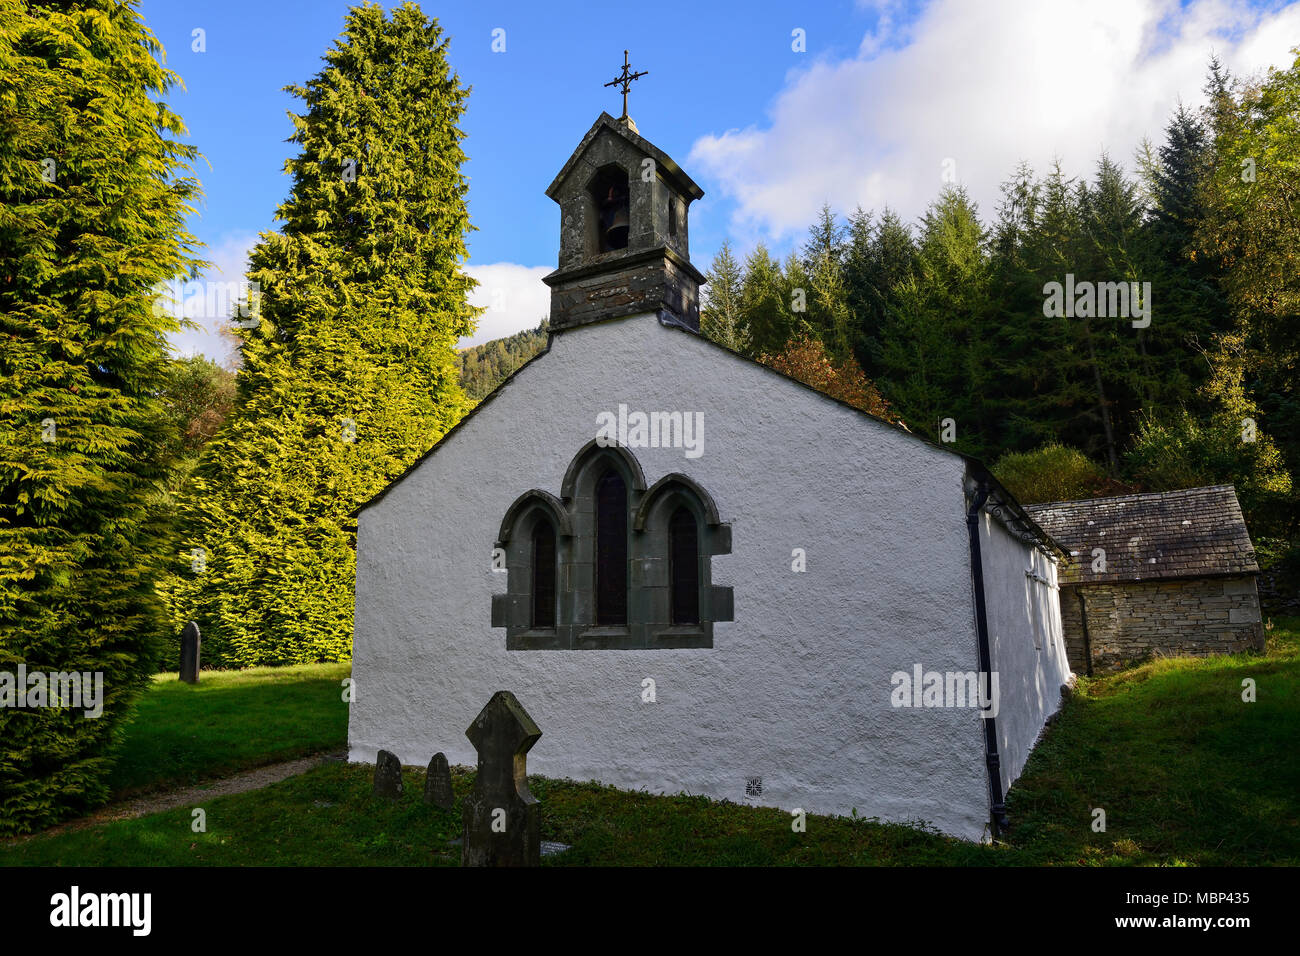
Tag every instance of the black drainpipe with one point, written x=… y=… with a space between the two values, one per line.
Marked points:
x=996 y=800
x=1087 y=641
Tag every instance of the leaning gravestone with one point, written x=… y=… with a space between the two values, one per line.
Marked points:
x=190 y=642
x=502 y=820
x=437 y=783
x=388 y=776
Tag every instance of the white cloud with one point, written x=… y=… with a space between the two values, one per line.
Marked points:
x=515 y=298
x=208 y=301
x=986 y=85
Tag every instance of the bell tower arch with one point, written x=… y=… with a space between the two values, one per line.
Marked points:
x=624 y=232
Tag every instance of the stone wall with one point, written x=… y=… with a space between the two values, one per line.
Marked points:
x=1141 y=619
x=1277 y=595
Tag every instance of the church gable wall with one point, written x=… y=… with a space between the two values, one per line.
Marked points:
x=791 y=706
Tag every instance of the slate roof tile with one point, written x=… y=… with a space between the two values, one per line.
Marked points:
x=1191 y=533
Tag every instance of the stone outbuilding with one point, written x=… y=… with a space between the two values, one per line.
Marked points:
x=1168 y=574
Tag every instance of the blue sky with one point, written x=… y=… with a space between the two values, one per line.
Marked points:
x=885 y=96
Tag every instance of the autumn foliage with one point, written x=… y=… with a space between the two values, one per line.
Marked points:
x=806 y=359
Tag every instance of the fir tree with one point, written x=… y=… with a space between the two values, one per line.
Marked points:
x=825 y=241
x=934 y=350
x=879 y=259
x=351 y=373
x=764 y=302
x=721 y=318
x=92 y=207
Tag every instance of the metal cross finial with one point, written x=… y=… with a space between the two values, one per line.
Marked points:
x=625 y=80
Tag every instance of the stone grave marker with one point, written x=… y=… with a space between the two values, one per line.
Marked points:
x=190 y=643
x=437 y=783
x=388 y=776
x=502 y=820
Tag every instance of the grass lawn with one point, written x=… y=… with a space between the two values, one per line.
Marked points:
x=1187 y=773
x=230 y=721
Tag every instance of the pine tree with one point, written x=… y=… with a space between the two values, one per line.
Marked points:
x=828 y=308
x=825 y=241
x=92 y=207
x=878 y=260
x=1131 y=361
x=764 y=302
x=351 y=372
x=934 y=352
x=721 y=318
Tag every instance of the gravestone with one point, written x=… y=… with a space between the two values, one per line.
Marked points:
x=190 y=642
x=502 y=820
x=388 y=776
x=437 y=783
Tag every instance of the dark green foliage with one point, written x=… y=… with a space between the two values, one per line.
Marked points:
x=878 y=260
x=932 y=349
x=484 y=367
x=1224 y=445
x=351 y=372
x=92 y=206
x=764 y=303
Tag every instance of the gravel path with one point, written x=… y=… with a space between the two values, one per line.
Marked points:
x=193 y=796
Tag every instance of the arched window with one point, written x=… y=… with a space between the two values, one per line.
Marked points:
x=684 y=567
x=543 y=583
x=611 y=564
x=611 y=550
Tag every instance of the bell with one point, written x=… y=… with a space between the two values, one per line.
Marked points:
x=616 y=234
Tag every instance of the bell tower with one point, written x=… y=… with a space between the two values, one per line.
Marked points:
x=624 y=233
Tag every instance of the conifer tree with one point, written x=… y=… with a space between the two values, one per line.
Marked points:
x=765 y=303
x=92 y=204
x=934 y=351
x=721 y=318
x=1250 y=232
x=825 y=240
x=879 y=258
x=351 y=373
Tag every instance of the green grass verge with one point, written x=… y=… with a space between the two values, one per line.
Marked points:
x=1187 y=773
x=329 y=817
x=230 y=721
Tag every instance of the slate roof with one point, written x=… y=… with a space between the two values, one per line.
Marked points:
x=664 y=163
x=1197 y=532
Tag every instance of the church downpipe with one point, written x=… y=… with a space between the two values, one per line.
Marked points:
x=996 y=798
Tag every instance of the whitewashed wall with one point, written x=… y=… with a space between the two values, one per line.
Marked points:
x=795 y=691
x=1025 y=642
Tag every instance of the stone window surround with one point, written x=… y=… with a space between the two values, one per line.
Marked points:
x=649 y=624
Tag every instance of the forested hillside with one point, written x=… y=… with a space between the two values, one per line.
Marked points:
x=1093 y=335
x=484 y=367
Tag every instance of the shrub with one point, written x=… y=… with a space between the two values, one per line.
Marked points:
x=1054 y=472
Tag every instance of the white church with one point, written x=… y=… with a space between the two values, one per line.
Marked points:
x=696 y=573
